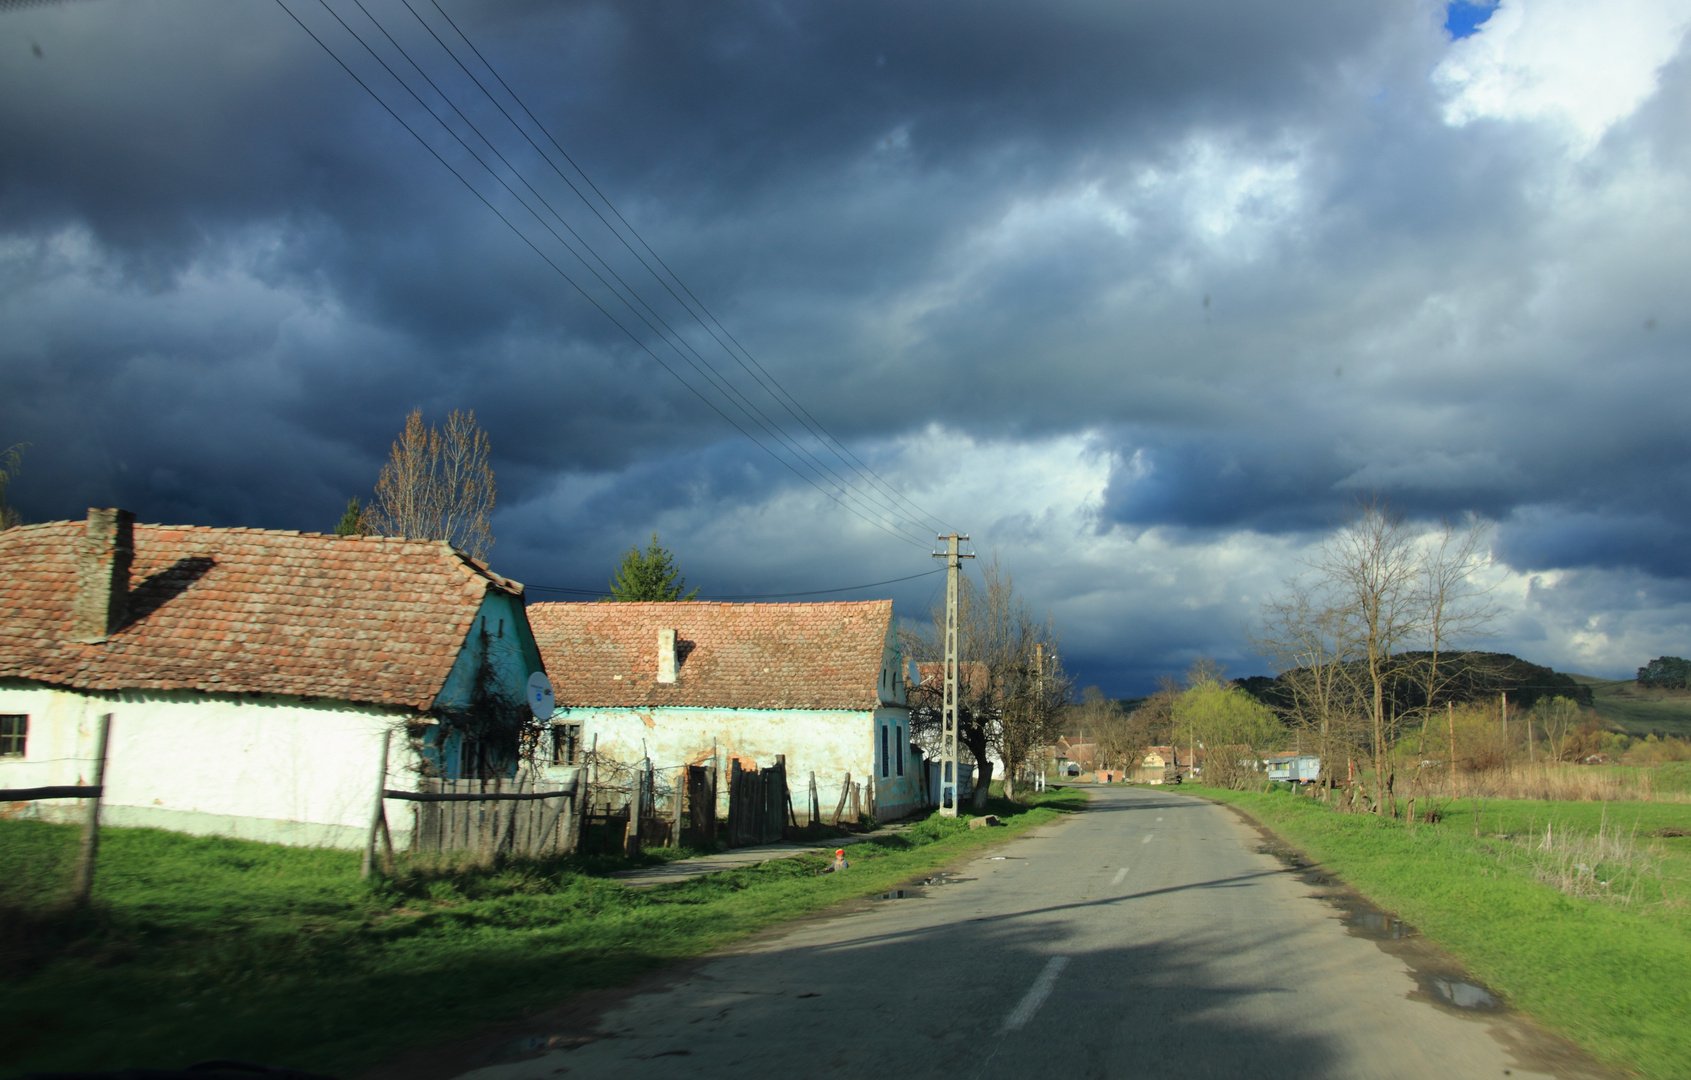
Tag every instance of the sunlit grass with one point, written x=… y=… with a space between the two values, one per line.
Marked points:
x=1614 y=977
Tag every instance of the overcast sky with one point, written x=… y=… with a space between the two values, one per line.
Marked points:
x=1139 y=296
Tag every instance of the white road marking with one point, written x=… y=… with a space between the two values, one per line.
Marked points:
x=1121 y=875
x=1146 y=839
x=1036 y=995
x=1159 y=819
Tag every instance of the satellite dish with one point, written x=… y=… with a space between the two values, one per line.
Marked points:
x=540 y=696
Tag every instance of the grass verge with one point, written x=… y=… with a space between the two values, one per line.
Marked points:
x=1614 y=979
x=199 y=948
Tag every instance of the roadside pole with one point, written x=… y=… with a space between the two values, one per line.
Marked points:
x=948 y=715
x=83 y=882
x=378 y=815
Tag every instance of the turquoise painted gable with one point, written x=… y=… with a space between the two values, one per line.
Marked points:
x=481 y=709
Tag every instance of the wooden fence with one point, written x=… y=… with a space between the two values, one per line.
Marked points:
x=495 y=816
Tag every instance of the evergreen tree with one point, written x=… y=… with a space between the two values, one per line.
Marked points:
x=10 y=461
x=649 y=575
x=352 y=522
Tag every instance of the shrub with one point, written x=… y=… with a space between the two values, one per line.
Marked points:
x=1665 y=673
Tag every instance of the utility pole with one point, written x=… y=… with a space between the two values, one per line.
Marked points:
x=1039 y=697
x=948 y=715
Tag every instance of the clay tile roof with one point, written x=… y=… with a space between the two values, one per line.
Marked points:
x=375 y=620
x=732 y=656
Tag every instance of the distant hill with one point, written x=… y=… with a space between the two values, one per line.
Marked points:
x=1638 y=710
x=1481 y=675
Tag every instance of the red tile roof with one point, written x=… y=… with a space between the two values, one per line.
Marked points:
x=367 y=619
x=733 y=656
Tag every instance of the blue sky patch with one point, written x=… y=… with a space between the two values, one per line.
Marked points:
x=1464 y=19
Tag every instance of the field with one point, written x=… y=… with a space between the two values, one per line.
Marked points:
x=1639 y=711
x=201 y=948
x=1593 y=939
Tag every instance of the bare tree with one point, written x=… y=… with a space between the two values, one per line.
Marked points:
x=1456 y=606
x=1372 y=564
x=1307 y=633
x=1107 y=724
x=1560 y=718
x=438 y=485
x=1344 y=631
x=1011 y=685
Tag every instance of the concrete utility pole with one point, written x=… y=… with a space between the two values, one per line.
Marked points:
x=948 y=715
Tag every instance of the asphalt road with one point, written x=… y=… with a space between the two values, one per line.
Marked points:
x=1149 y=936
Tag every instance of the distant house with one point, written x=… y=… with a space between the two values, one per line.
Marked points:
x=1168 y=764
x=1293 y=767
x=250 y=674
x=690 y=683
x=1077 y=751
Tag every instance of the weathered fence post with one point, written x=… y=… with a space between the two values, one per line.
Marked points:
x=736 y=797
x=631 y=841
x=377 y=817
x=83 y=882
x=677 y=792
x=845 y=793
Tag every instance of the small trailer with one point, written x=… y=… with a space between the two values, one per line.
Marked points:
x=1294 y=768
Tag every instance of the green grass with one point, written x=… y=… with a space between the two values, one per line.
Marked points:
x=1639 y=711
x=201 y=948
x=1615 y=980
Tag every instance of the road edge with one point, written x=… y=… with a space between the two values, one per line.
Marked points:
x=573 y=1021
x=1534 y=1046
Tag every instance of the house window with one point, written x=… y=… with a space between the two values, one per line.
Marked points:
x=885 y=757
x=14 y=731
x=566 y=744
x=898 y=741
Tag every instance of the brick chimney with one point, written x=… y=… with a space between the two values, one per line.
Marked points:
x=102 y=575
x=666 y=656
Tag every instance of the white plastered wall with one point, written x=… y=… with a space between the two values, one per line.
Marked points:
x=277 y=769
x=829 y=742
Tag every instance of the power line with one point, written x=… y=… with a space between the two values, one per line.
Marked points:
x=785 y=399
x=532 y=245
x=750 y=596
x=679 y=344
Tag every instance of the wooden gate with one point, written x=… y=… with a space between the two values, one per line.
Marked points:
x=494 y=816
x=758 y=803
x=699 y=808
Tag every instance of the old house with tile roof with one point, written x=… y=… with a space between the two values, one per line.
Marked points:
x=251 y=673
x=689 y=683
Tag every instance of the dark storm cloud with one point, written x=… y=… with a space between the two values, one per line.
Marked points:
x=171 y=131
x=1242 y=247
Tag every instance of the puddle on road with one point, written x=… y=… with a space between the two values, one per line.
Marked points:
x=1440 y=981
x=533 y=1046
x=1366 y=922
x=1463 y=995
x=914 y=889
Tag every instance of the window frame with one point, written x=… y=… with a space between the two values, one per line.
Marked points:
x=17 y=735
x=566 y=744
